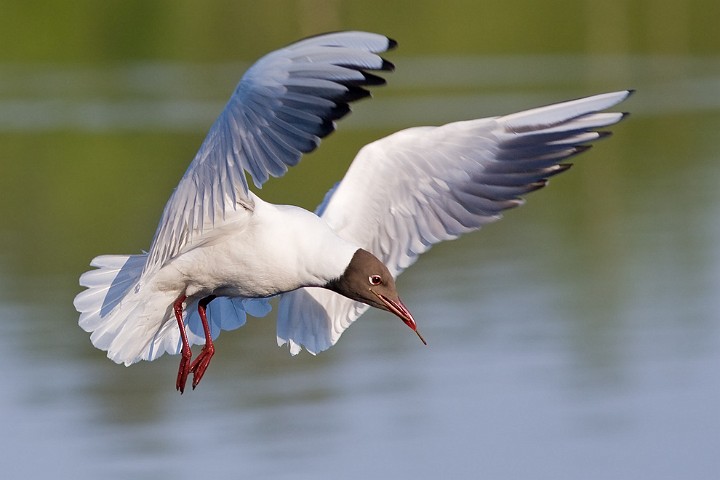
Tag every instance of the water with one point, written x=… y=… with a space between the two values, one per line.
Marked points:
x=577 y=338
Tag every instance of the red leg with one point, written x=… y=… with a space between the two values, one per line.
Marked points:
x=202 y=361
x=186 y=353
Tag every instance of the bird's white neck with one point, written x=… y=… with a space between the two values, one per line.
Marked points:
x=317 y=256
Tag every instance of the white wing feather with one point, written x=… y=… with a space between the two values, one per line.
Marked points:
x=284 y=104
x=424 y=185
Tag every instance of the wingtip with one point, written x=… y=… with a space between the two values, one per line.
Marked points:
x=626 y=94
x=372 y=80
x=581 y=148
x=387 y=66
x=392 y=43
x=353 y=94
x=534 y=186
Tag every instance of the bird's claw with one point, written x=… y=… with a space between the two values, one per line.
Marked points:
x=183 y=371
x=201 y=363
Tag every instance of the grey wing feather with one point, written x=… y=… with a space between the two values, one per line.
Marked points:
x=282 y=107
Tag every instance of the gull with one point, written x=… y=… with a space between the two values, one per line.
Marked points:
x=220 y=252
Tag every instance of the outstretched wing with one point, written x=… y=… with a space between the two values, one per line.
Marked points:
x=284 y=104
x=424 y=185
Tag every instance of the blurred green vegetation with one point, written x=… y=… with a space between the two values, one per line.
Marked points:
x=88 y=31
x=72 y=191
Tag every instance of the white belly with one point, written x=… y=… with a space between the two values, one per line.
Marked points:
x=280 y=249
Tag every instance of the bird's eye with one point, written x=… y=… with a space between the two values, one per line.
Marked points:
x=375 y=279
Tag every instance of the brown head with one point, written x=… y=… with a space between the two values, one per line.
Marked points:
x=366 y=279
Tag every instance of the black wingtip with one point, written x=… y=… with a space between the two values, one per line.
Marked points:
x=392 y=43
x=579 y=149
x=372 y=80
x=353 y=94
x=534 y=186
x=339 y=111
x=387 y=66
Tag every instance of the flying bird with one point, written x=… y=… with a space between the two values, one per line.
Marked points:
x=220 y=251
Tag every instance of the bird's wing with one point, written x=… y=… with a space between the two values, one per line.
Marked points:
x=424 y=185
x=284 y=104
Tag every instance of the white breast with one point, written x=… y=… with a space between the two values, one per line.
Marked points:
x=278 y=248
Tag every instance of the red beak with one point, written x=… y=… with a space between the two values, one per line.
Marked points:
x=398 y=308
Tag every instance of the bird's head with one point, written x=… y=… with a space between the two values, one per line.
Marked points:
x=366 y=279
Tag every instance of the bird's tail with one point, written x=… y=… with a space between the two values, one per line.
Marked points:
x=133 y=322
x=124 y=319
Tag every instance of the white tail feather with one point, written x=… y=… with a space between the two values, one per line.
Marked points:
x=123 y=318
x=134 y=323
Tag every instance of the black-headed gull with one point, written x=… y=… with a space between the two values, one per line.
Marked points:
x=218 y=242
